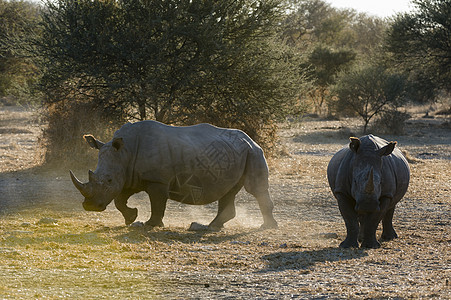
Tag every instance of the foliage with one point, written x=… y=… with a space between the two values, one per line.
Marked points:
x=315 y=21
x=368 y=91
x=329 y=40
x=178 y=62
x=420 y=44
x=312 y=22
x=67 y=122
x=391 y=121
x=17 y=73
x=323 y=64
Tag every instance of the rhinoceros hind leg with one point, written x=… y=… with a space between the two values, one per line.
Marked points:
x=388 y=232
x=266 y=207
x=226 y=209
x=361 y=227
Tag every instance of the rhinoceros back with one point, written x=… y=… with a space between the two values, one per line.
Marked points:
x=199 y=163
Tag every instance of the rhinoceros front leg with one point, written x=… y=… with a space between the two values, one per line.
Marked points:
x=346 y=206
x=128 y=213
x=388 y=232
x=369 y=231
x=158 y=194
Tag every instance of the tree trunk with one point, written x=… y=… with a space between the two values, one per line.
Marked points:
x=142 y=110
x=365 y=126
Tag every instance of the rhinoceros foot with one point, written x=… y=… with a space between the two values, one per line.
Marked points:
x=371 y=244
x=152 y=223
x=389 y=235
x=349 y=244
x=200 y=227
x=269 y=225
x=130 y=216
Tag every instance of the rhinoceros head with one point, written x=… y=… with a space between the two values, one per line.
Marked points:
x=107 y=181
x=367 y=173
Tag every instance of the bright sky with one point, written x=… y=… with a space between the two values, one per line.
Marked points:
x=380 y=8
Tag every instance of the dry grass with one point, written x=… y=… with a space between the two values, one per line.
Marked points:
x=51 y=248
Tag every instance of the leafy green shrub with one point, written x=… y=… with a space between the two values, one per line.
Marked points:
x=369 y=91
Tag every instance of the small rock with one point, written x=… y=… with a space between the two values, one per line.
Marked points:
x=198 y=227
x=284 y=245
x=8 y=250
x=20 y=232
x=240 y=243
x=137 y=224
x=47 y=221
x=331 y=235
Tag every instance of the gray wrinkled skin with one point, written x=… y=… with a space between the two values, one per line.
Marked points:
x=368 y=179
x=194 y=165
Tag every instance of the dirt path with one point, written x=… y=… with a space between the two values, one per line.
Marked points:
x=298 y=260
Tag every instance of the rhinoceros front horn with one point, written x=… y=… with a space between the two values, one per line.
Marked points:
x=369 y=187
x=84 y=188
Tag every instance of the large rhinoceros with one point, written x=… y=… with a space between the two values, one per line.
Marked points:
x=196 y=164
x=368 y=179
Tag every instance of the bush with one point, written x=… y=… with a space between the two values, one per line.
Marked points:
x=391 y=122
x=369 y=91
x=67 y=122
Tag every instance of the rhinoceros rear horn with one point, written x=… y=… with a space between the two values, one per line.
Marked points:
x=84 y=188
x=369 y=187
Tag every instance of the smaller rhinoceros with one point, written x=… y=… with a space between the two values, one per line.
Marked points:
x=196 y=165
x=368 y=179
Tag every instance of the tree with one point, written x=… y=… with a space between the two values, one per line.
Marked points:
x=329 y=40
x=315 y=21
x=322 y=66
x=369 y=91
x=419 y=43
x=311 y=22
x=177 y=62
x=17 y=72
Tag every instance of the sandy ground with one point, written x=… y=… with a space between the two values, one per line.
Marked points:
x=299 y=260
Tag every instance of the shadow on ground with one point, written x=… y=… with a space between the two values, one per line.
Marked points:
x=137 y=235
x=295 y=260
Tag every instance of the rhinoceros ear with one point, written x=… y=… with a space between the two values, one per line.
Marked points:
x=93 y=142
x=117 y=143
x=387 y=150
x=355 y=144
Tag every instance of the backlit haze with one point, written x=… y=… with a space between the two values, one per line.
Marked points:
x=379 y=8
